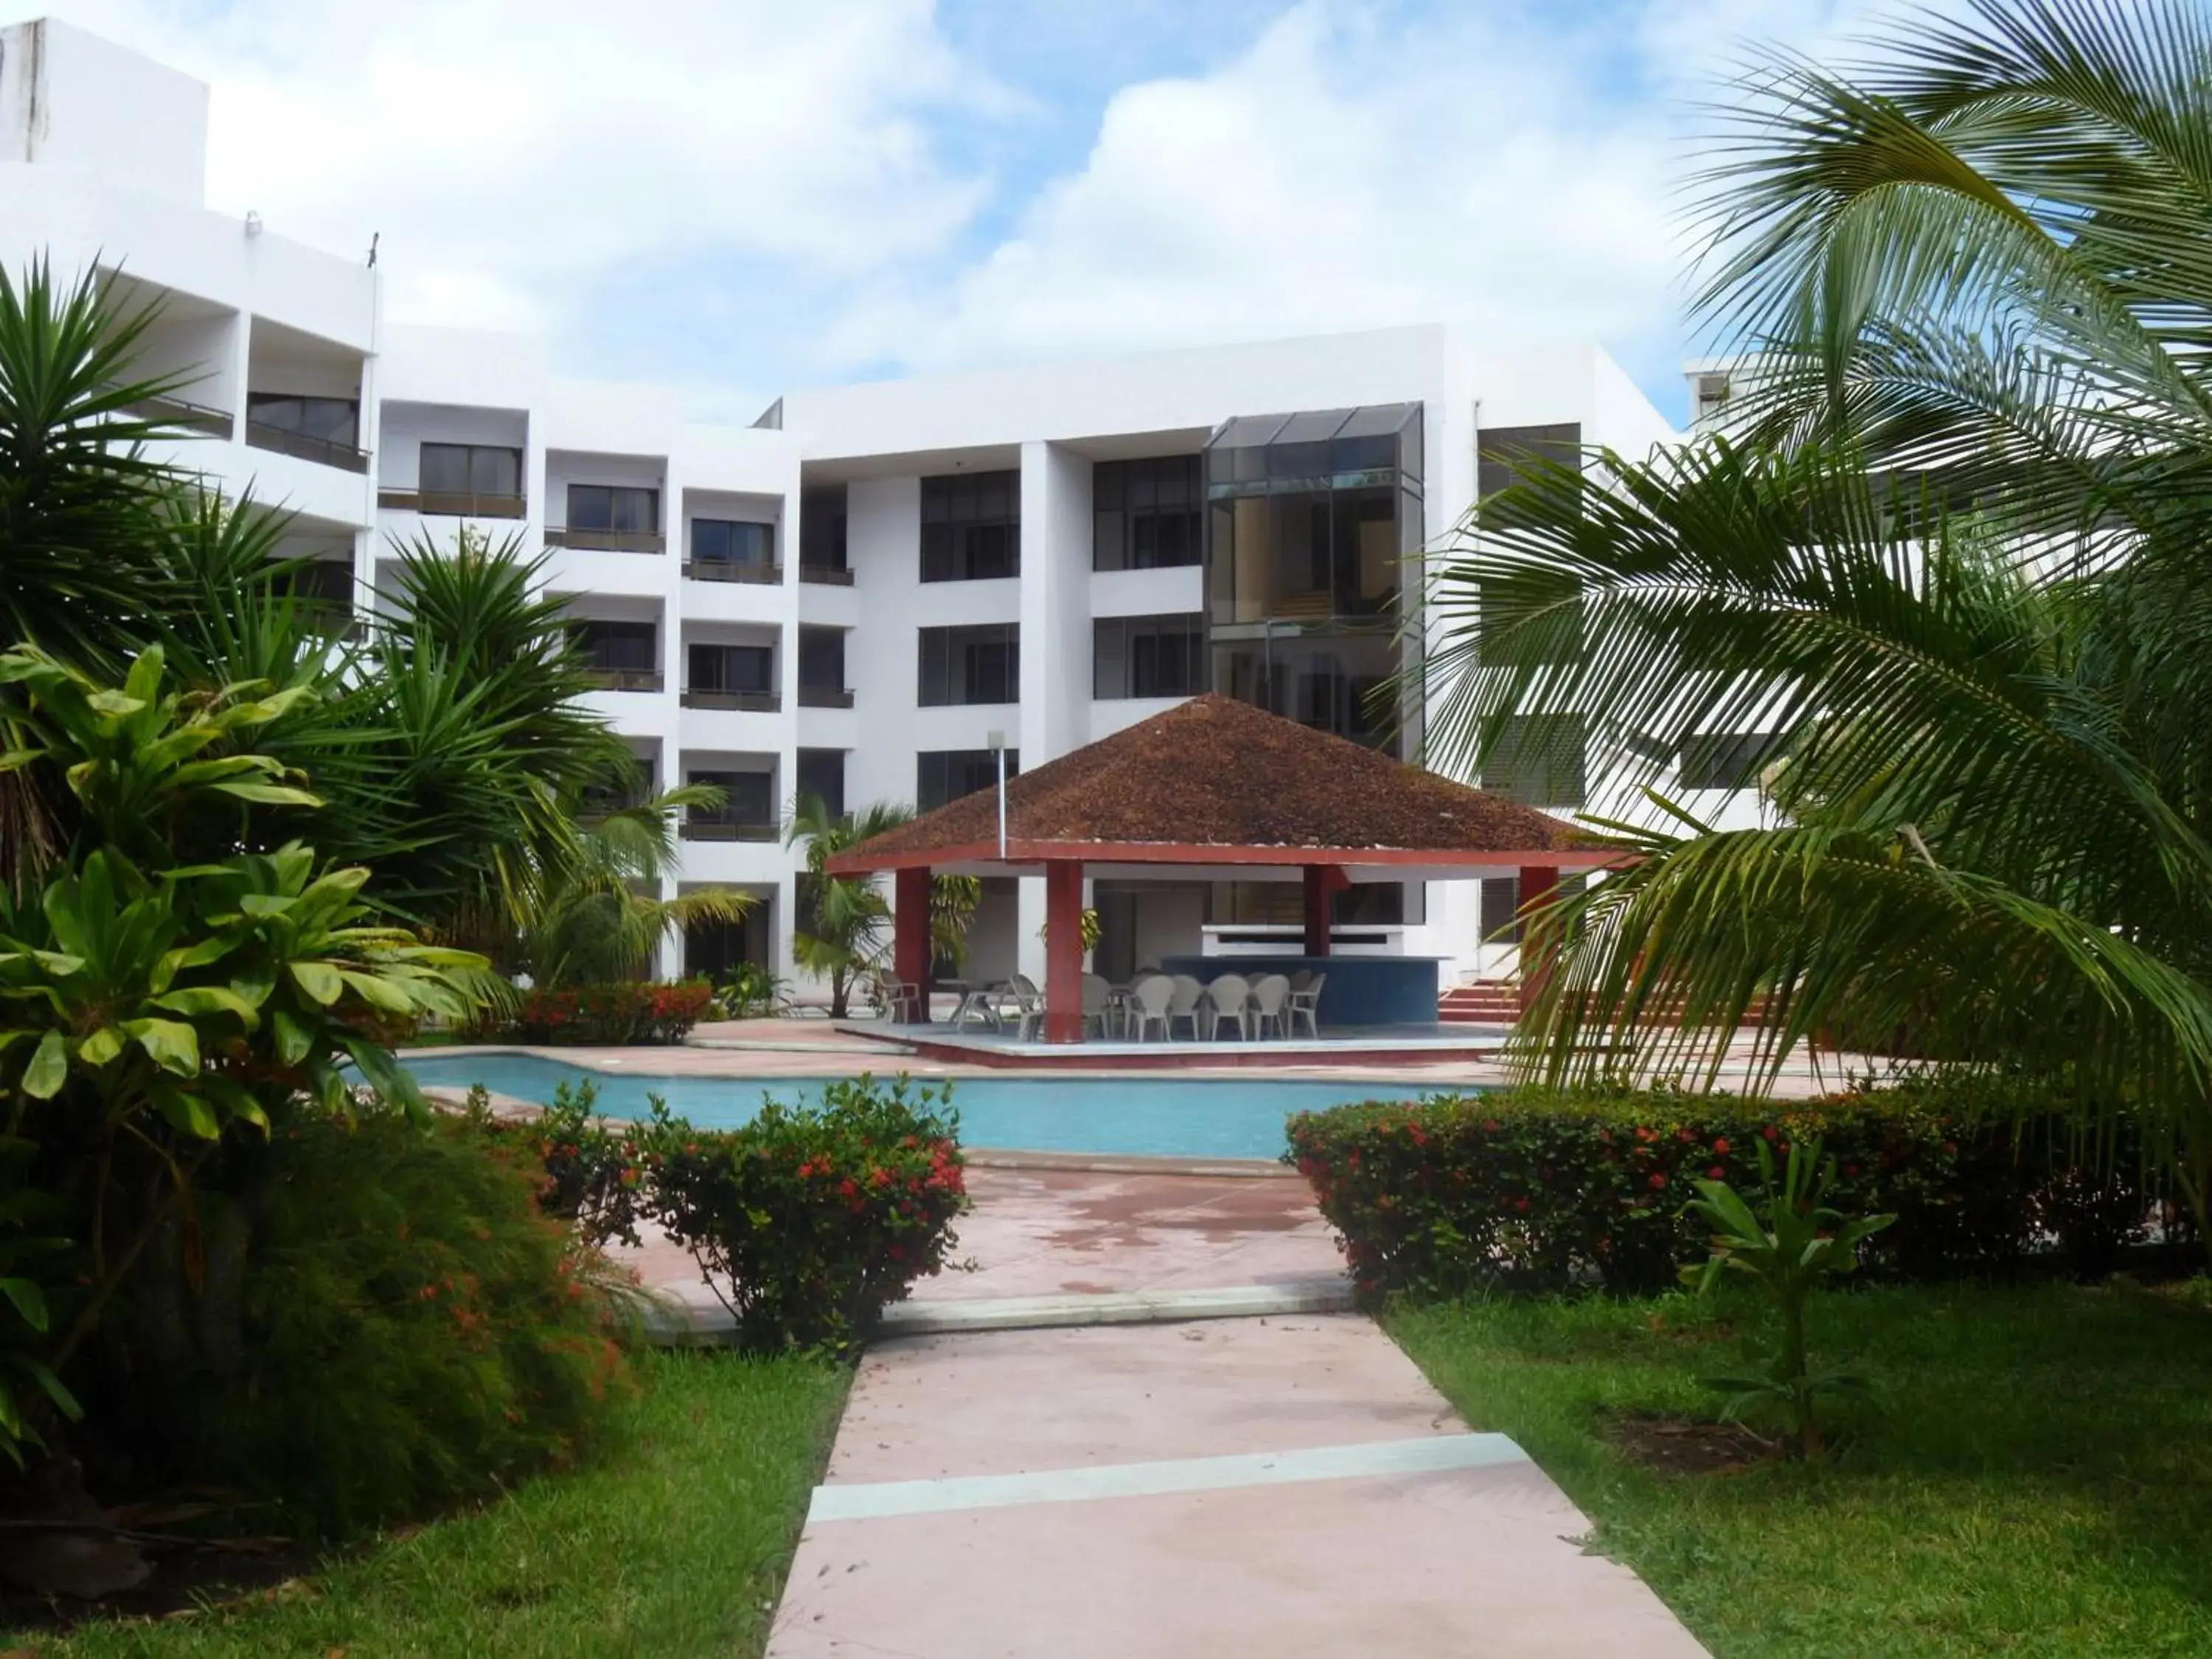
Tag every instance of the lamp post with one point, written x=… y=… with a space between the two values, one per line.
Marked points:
x=997 y=739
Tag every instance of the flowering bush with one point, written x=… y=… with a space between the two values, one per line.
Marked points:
x=808 y=1221
x=609 y=1016
x=1532 y=1189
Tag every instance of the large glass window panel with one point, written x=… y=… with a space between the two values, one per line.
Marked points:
x=333 y=420
x=1503 y=452
x=1146 y=513
x=942 y=776
x=822 y=659
x=617 y=646
x=631 y=511
x=821 y=528
x=732 y=541
x=747 y=668
x=822 y=777
x=1364 y=550
x=1161 y=656
x=471 y=469
x=749 y=797
x=971 y=527
x=975 y=665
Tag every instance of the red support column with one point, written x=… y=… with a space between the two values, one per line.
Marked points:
x=1539 y=949
x=1063 y=953
x=910 y=946
x=1323 y=883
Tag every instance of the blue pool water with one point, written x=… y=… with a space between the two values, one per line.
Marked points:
x=1175 y=1117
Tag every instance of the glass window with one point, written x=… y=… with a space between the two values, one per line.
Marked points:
x=1540 y=762
x=332 y=420
x=749 y=797
x=821 y=528
x=821 y=776
x=1283 y=904
x=617 y=646
x=1502 y=451
x=1160 y=656
x=732 y=541
x=971 y=526
x=1146 y=514
x=822 y=658
x=975 y=664
x=471 y=469
x=619 y=507
x=1725 y=760
x=748 y=668
x=947 y=774
x=1334 y=682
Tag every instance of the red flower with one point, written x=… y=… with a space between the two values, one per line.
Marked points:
x=1522 y=1205
x=1716 y=1173
x=1721 y=1145
x=1658 y=1180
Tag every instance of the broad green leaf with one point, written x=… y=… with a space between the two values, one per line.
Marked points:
x=270 y=794
x=116 y=703
x=293 y=1039
x=28 y=1300
x=170 y=1043
x=49 y=1068
x=379 y=992
x=102 y=1047
x=320 y=981
x=188 y=1111
x=199 y=1001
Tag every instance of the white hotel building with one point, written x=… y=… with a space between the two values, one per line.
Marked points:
x=860 y=593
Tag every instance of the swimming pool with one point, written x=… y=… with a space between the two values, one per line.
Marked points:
x=1173 y=1117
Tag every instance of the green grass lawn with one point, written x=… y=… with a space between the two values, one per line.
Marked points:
x=673 y=1543
x=2036 y=1480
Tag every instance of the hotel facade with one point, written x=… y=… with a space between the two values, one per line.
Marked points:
x=874 y=592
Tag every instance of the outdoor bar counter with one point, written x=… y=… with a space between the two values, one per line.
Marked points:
x=1360 y=990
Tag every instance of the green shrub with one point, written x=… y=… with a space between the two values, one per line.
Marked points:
x=1528 y=1190
x=808 y=1221
x=611 y=1016
x=382 y=1323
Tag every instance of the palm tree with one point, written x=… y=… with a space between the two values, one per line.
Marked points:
x=1948 y=551
x=603 y=919
x=842 y=918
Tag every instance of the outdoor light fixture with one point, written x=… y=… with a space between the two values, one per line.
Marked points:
x=997 y=739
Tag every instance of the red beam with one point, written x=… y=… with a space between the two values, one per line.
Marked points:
x=860 y=862
x=1540 y=948
x=910 y=946
x=1323 y=883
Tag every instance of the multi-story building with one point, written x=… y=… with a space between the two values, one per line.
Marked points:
x=874 y=589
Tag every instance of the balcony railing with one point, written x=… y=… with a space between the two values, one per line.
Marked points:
x=452 y=504
x=701 y=826
x=181 y=412
x=829 y=575
x=750 y=702
x=626 y=679
x=326 y=450
x=824 y=697
x=608 y=541
x=732 y=570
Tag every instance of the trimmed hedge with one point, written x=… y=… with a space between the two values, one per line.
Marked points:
x=1529 y=1189
x=610 y=1016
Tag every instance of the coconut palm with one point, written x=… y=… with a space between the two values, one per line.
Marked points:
x=842 y=920
x=1950 y=550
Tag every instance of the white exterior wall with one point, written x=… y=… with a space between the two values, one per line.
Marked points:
x=101 y=152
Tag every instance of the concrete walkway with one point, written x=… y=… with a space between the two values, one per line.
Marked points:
x=1285 y=1485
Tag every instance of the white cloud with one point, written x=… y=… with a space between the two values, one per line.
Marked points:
x=513 y=152
x=1337 y=174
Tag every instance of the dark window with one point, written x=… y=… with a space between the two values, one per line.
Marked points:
x=972 y=527
x=749 y=798
x=1501 y=906
x=971 y=665
x=1334 y=682
x=614 y=507
x=1283 y=904
x=750 y=668
x=732 y=541
x=471 y=469
x=1502 y=452
x=821 y=528
x=822 y=659
x=332 y=420
x=1725 y=760
x=1148 y=656
x=821 y=775
x=629 y=648
x=321 y=582
x=714 y=949
x=632 y=786
x=947 y=774
x=1540 y=762
x=1146 y=514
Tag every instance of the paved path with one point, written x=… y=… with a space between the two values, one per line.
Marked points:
x=1269 y=1486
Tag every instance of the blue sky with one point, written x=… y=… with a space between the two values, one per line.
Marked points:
x=740 y=196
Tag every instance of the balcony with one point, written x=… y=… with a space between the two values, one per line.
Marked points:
x=182 y=412
x=607 y=541
x=749 y=702
x=326 y=452
x=828 y=576
x=626 y=679
x=824 y=697
x=449 y=504
x=714 y=826
x=732 y=570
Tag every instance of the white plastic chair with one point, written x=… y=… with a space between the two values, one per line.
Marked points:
x=1228 y=997
x=1147 y=1006
x=1271 y=996
x=1300 y=980
x=1029 y=1004
x=1190 y=996
x=1305 y=1004
x=1098 y=1004
x=898 y=998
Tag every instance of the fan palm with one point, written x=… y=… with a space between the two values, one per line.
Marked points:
x=1947 y=553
